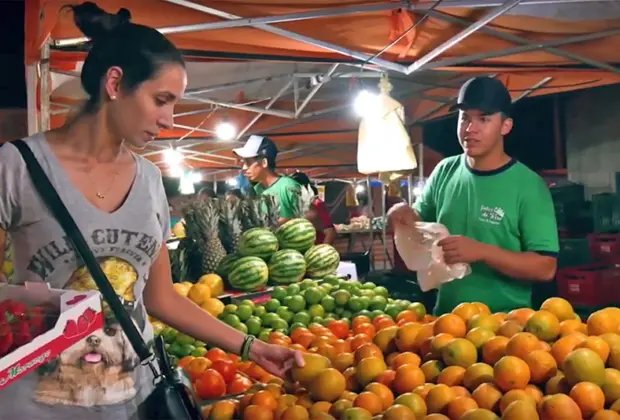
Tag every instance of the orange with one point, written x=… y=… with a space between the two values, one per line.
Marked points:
x=436 y=343
x=407 y=378
x=296 y=412
x=598 y=345
x=343 y=361
x=414 y=402
x=197 y=366
x=477 y=374
x=459 y=406
x=534 y=392
x=509 y=328
x=559 y=307
x=459 y=352
x=520 y=410
x=223 y=410
x=185 y=361
x=557 y=385
x=451 y=376
x=614 y=357
x=486 y=321
x=561 y=348
x=494 y=349
x=479 y=335
x=314 y=364
x=436 y=416
x=544 y=325
x=386 y=378
x=369 y=402
x=584 y=365
x=357 y=340
x=425 y=332
x=515 y=395
x=256 y=412
x=360 y=319
x=368 y=369
x=341 y=346
x=521 y=315
x=356 y=413
x=612 y=339
x=559 y=407
x=521 y=344
x=398 y=412
x=479 y=414
x=348 y=395
x=350 y=376
x=328 y=385
x=589 y=397
x=339 y=328
x=383 y=392
x=383 y=323
x=460 y=391
x=606 y=415
x=385 y=339
x=487 y=396
x=406 y=358
x=287 y=400
x=611 y=387
x=432 y=369
x=407 y=316
x=572 y=325
x=542 y=366
x=367 y=329
x=466 y=311
x=423 y=390
x=265 y=399
x=406 y=336
x=438 y=398
x=511 y=373
x=450 y=324
x=482 y=308
x=339 y=407
x=603 y=321
x=367 y=350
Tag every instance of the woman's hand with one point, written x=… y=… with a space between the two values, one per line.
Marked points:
x=275 y=359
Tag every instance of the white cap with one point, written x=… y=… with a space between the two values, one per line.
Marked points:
x=250 y=148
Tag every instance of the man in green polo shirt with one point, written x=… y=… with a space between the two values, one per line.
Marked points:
x=258 y=160
x=499 y=213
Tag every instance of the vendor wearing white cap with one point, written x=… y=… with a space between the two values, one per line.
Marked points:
x=258 y=159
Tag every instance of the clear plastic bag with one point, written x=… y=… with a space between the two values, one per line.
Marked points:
x=417 y=246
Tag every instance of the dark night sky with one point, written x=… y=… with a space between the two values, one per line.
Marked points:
x=12 y=72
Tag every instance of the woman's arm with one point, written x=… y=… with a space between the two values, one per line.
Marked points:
x=326 y=220
x=2 y=254
x=330 y=235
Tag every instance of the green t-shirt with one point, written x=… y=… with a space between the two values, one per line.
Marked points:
x=509 y=207
x=287 y=191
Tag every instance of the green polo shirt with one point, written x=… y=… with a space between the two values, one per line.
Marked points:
x=509 y=207
x=287 y=190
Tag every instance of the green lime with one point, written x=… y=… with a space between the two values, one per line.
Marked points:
x=198 y=343
x=254 y=325
x=393 y=310
x=339 y=310
x=279 y=324
x=355 y=283
x=327 y=320
x=313 y=295
x=346 y=314
x=296 y=325
x=296 y=303
x=307 y=283
x=327 y=288
x=381 y=291
x=199 y=352
x=169 y=334
x=176 y=349
x=231 y=319
x=269 y=318
x=368 y=285
x=242 y=327
x=230 y=308
x=355 y=304
x=341 y=297
x=376 y=313
x=331 y=279
x=365 y=312
x=317 y=320
x=390 y=300
x=259 y=310
x=367 y=293
x=316 y=310
x=328 y=303
x=184 y=339
x=167 y=347
x=293 y=289
x=279 y=293
x=301 y=318
x=272 y=305
x=187 y=349
x=248 y=302
x=264 y=334
x=419 y=309
x=280 y=330
x=284 y=313
x=158 y=328
x=378 y=302
x=244 y=312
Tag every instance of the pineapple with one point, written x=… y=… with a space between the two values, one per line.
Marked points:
x=273 y=211
x=202 y=225
x=230 y=225
x=304 y=201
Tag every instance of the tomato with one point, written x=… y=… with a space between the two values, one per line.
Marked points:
x=339 y=328
x=226 y=368
x=197 y=366
x=216 y=354
x=239 y=385
x=210 y=385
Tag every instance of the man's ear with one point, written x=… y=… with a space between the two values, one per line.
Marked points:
x=264 y=163
x=507 y=125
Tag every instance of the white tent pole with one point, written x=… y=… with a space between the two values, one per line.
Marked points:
x=315 y=89
x=46 y=92
x=273 y=100
x=31 y=96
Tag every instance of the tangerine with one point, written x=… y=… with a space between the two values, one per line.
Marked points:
x=451 y=376
x=589 y=397
x=559 y=407
x=368 y=369
x=328 y=385
x=494 y=349
x=515 y=395
x=487 y=396
x=511 y=373
x=459 y=352
x=584 y=365
x=561 y=348
x=598 y=345
x=383 y=392
x=438 y=398
x=457 y=408
x=477 y=374
x=414 y=402
x=450 y=324
x=256 y=412
x=406 y=336
x=407 y=378
x=544 y=325
x=369 y=402
x=509 y=328
x=398 y=412
x=519 y=410
x=559 y=307
x=542 y=366
x=479 y=414
x=521 y=344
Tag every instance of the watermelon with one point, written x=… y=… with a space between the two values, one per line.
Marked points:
x=297 y=234
x=225 y=265
x=258 y=242
x=287 y=266
x=248 y=274
x=321 y=260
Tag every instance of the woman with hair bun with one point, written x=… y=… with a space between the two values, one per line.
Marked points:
x=133 y=77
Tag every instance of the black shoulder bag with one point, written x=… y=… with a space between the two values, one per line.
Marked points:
x=173 y=396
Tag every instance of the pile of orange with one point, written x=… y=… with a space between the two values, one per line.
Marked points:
x=466 y=365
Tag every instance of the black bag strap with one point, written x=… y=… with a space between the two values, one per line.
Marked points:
x=50 y=196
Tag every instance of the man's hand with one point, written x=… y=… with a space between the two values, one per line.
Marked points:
x=461 y=249
x=402 y=214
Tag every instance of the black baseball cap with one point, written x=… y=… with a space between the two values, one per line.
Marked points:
x=257 y=146
x=486 y=94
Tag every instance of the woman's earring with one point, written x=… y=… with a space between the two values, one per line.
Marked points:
x=113 y=97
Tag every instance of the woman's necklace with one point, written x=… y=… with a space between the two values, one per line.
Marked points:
x=102 y=194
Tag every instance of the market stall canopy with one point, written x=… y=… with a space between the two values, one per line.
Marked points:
x=291 y=70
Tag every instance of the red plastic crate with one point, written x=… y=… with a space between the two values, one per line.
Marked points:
x=605 y=248
x=590 y=285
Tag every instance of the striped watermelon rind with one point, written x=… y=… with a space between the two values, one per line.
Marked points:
x=258 y=242
x=287 y=266
x=248 y=274
x=297 y=234
x=226 y=264
x=321 y=260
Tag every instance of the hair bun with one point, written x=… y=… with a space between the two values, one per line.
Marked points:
x=96 y=23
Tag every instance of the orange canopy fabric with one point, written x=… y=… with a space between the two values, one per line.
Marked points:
x=367 y=33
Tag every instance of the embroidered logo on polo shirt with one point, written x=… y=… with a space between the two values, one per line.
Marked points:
x=492 y=215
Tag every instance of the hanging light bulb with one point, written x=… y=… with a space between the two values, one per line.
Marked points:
x=225 y=130
x=366 y=104
x=173 y=157
x=176 y=171
x=233 y=182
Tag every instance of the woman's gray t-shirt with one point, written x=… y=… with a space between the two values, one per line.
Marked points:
x=99 y=377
